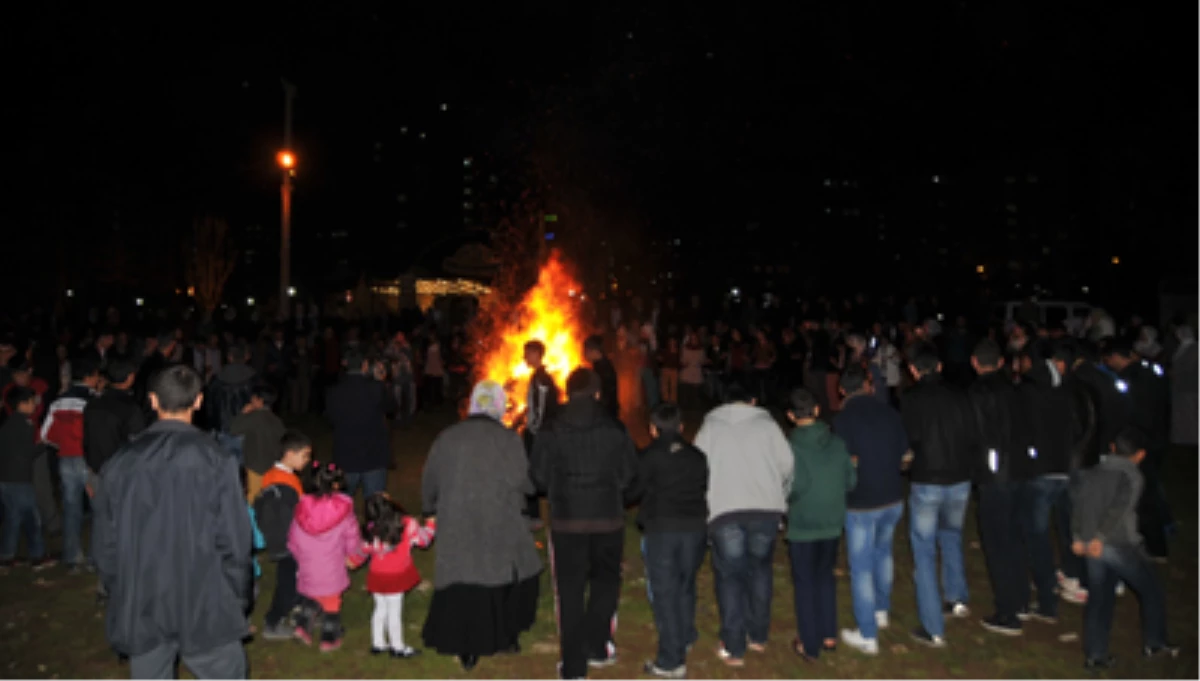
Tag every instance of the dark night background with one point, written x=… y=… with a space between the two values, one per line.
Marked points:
x=791 y=149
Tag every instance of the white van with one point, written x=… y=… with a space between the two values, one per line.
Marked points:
x=1051 y=313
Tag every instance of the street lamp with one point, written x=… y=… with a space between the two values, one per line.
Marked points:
x=287 y=164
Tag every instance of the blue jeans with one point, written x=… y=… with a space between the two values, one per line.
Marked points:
x=20 y=511
x=646 y=562
x=1041 y=496
x=74 y=473
x=372 y=482
x=1130 y=565
x=742 y=554
x=869 y=537
x=672 y=561
x=936 y=514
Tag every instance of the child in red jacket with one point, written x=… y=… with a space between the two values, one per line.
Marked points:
x=391 y=537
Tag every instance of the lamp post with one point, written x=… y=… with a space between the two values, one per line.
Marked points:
x=287 y=163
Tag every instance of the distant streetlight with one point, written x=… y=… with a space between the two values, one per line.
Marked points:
x=139 y=302
x=70 y=293
x=250 y=302
x=291 y=291
x=287 y=163
x=1116 y=260
x=979 y=269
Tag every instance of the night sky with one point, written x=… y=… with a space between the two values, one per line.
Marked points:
x=717 y=126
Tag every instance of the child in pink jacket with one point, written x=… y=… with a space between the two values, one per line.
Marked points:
x=325 y=541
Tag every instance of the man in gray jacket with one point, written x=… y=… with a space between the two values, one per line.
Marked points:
x=750 y=465
x=1104 y=529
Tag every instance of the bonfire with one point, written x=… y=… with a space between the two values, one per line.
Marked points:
x=549 y=312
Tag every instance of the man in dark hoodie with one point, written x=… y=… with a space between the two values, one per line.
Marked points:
x=1104 y=530
x=152 y=364
x=1055 y=431
x=942 y=434
x=1003 y=463
x=672 y=484
x=586 y=464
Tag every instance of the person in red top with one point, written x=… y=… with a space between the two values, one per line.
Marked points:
x=63 y=430
x=392 y=536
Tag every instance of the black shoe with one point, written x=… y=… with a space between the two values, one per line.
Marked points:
x=380 y=651
x=468 y=662
x=1002 y=626
x=1166 y=650
x=1100 y=664
x=602 y=662
x=927 y=639
x=406 y=654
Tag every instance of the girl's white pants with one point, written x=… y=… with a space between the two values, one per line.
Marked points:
x=389 y=610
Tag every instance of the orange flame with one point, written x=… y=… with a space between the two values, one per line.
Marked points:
x=549 y=312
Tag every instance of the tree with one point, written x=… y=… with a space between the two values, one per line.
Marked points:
x=210 y=259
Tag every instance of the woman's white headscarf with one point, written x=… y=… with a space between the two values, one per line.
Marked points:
x=488 y=398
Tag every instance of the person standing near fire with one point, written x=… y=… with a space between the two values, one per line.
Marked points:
x=541 y=404
x=593 y=350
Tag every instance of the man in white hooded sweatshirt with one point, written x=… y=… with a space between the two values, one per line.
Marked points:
x=750 y=473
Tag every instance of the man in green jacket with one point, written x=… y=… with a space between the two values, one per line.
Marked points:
x=816 y=514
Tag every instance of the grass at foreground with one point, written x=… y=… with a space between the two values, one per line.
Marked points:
x=53 y=629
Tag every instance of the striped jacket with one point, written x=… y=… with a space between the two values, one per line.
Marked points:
x=63 y=427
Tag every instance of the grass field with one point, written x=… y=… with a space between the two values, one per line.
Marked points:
x=52 y=627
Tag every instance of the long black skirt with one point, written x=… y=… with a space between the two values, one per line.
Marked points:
x=468 y=619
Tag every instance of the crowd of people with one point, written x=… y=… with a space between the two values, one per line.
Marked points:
x=1062 y=435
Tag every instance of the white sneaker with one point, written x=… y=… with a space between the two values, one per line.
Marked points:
x=959 y=610
x=881 y=619
x=1075 y=596
x=854 y=639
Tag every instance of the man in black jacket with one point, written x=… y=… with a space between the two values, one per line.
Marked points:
x=593 y=350
x=942 y=434
x=1084 y=453
x=1150 y=412
x=586 y=464
x=541 y=404
x=1055 y=431
x=358 y=408
x=1003 y=462
x=109 y=422
x=672 y=484
x=229 y=391
x=173 y=543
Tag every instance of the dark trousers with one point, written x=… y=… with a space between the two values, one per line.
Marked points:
x=815 y=591
x=1154 y=514
x=587 y=573
x=533 y=507
x=1000 y=532
x=672 y=561
x=223 y=662
x=44 y=486
x=1130 y=565
x=284 y=598
x=1040 y=498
